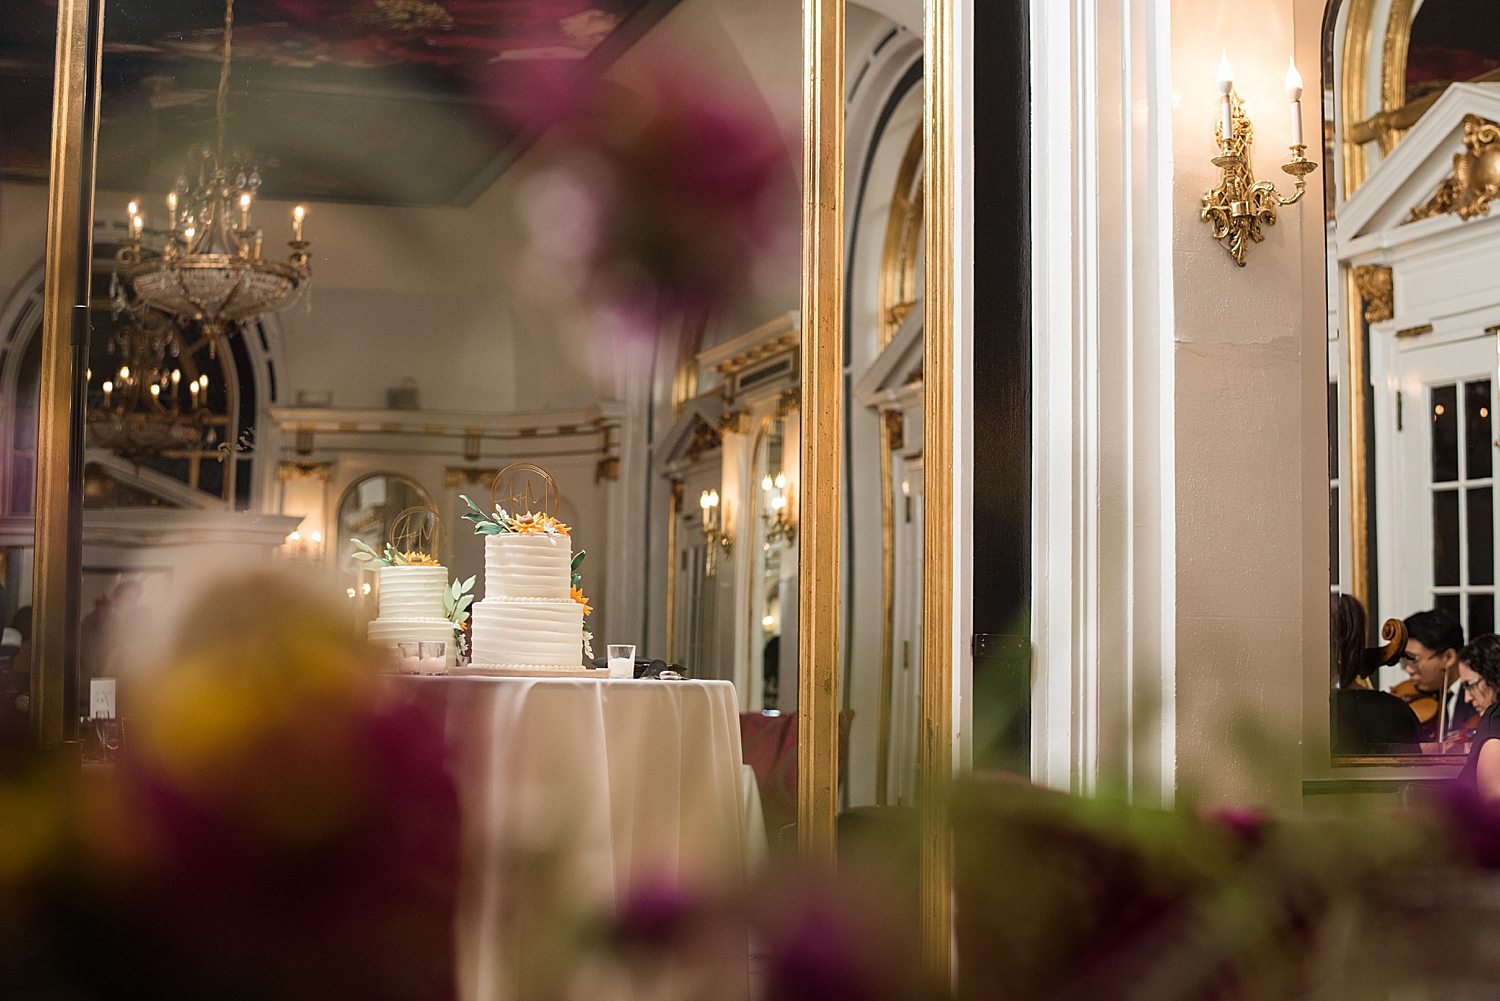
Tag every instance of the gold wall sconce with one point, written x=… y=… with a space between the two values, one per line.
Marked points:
x=775 y=514
x=1241 y=205
x=714 y=535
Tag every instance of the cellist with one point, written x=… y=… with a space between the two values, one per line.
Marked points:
x=1433 y=639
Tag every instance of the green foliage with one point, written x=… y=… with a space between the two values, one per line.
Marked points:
x=487 y=524
x=456 y=601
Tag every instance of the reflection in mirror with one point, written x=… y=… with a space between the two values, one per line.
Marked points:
x=368 y=512
x=1413 y=313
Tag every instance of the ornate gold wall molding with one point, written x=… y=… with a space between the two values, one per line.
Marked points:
x=1475 y=180
x=1393 y=73
x=1377 y=287
x=903 y=237
x=1353 y=83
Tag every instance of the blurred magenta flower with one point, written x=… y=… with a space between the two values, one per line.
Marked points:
x=657 y=203
x=274 y=828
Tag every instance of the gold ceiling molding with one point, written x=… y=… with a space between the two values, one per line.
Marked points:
x=903 y=236
x=785 y=342
x=1377 y=287
x=1475 y=178
x=291 y=469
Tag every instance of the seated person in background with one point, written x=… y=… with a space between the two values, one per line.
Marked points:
x=1479 y=677
x=1433 y=640
x=1364 y=721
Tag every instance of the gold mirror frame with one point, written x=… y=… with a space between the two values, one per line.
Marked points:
x=70 y=225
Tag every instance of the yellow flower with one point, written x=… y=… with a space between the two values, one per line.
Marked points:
x=537 y=524
x=415 y=559
x=577 y=596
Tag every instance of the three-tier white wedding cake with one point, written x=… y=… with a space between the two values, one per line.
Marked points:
x=411 y=611
x=528 y=618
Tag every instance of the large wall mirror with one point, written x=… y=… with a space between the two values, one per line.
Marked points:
x=350 y=259
x=1412 y=95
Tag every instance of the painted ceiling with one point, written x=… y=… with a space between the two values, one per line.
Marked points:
x=386 y=102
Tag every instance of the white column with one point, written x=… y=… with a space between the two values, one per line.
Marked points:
x=1103 y=587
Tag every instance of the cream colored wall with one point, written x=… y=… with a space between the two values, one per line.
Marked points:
x=1250 y=359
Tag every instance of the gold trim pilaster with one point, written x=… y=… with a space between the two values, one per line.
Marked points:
x=935 y=751
x=1353 y=81
x=891 y=426
x=675 y=507
x=1357 y=489
x=70 y=213
x=819 y=492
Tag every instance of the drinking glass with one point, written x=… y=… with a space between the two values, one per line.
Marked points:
x=621 y=660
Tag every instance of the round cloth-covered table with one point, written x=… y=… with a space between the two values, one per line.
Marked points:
x=575 y=791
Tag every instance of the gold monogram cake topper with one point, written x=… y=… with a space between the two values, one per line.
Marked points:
x=524 y=488
x=418 y=535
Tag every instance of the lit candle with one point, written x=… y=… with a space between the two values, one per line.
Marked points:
x=1226 y=85
x=176 y=377
x=245 y=211
x=297 y=215
x=194 y=387
x=172 y=204
x=703 y=503
x=109 y=387
x=155 y=390
x=1294 y=91
x=781 y=481
x=124 y=373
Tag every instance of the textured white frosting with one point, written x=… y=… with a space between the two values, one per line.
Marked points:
x=527 y=618
x=412 y=592
x=527 y=566
x=536 y=633
x=411 y=609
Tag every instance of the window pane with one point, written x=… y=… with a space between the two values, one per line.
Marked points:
x=1481 y=615
x=1445 y=538
x=1477 y=435
x=1444 y=434
x=1481 y=536
x=1450 y=603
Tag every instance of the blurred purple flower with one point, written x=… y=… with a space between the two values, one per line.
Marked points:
x=656 y=914
x=1473 y=822
x=820 y=956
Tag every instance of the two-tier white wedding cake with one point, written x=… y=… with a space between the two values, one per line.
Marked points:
x=411 y=611
x=528 y=618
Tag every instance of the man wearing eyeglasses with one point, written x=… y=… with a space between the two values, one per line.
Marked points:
x=1433 y=639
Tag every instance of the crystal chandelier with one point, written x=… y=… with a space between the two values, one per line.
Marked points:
x=145 y=410
x=209 y=269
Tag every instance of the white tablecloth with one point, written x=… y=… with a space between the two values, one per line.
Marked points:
x=573 y=791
